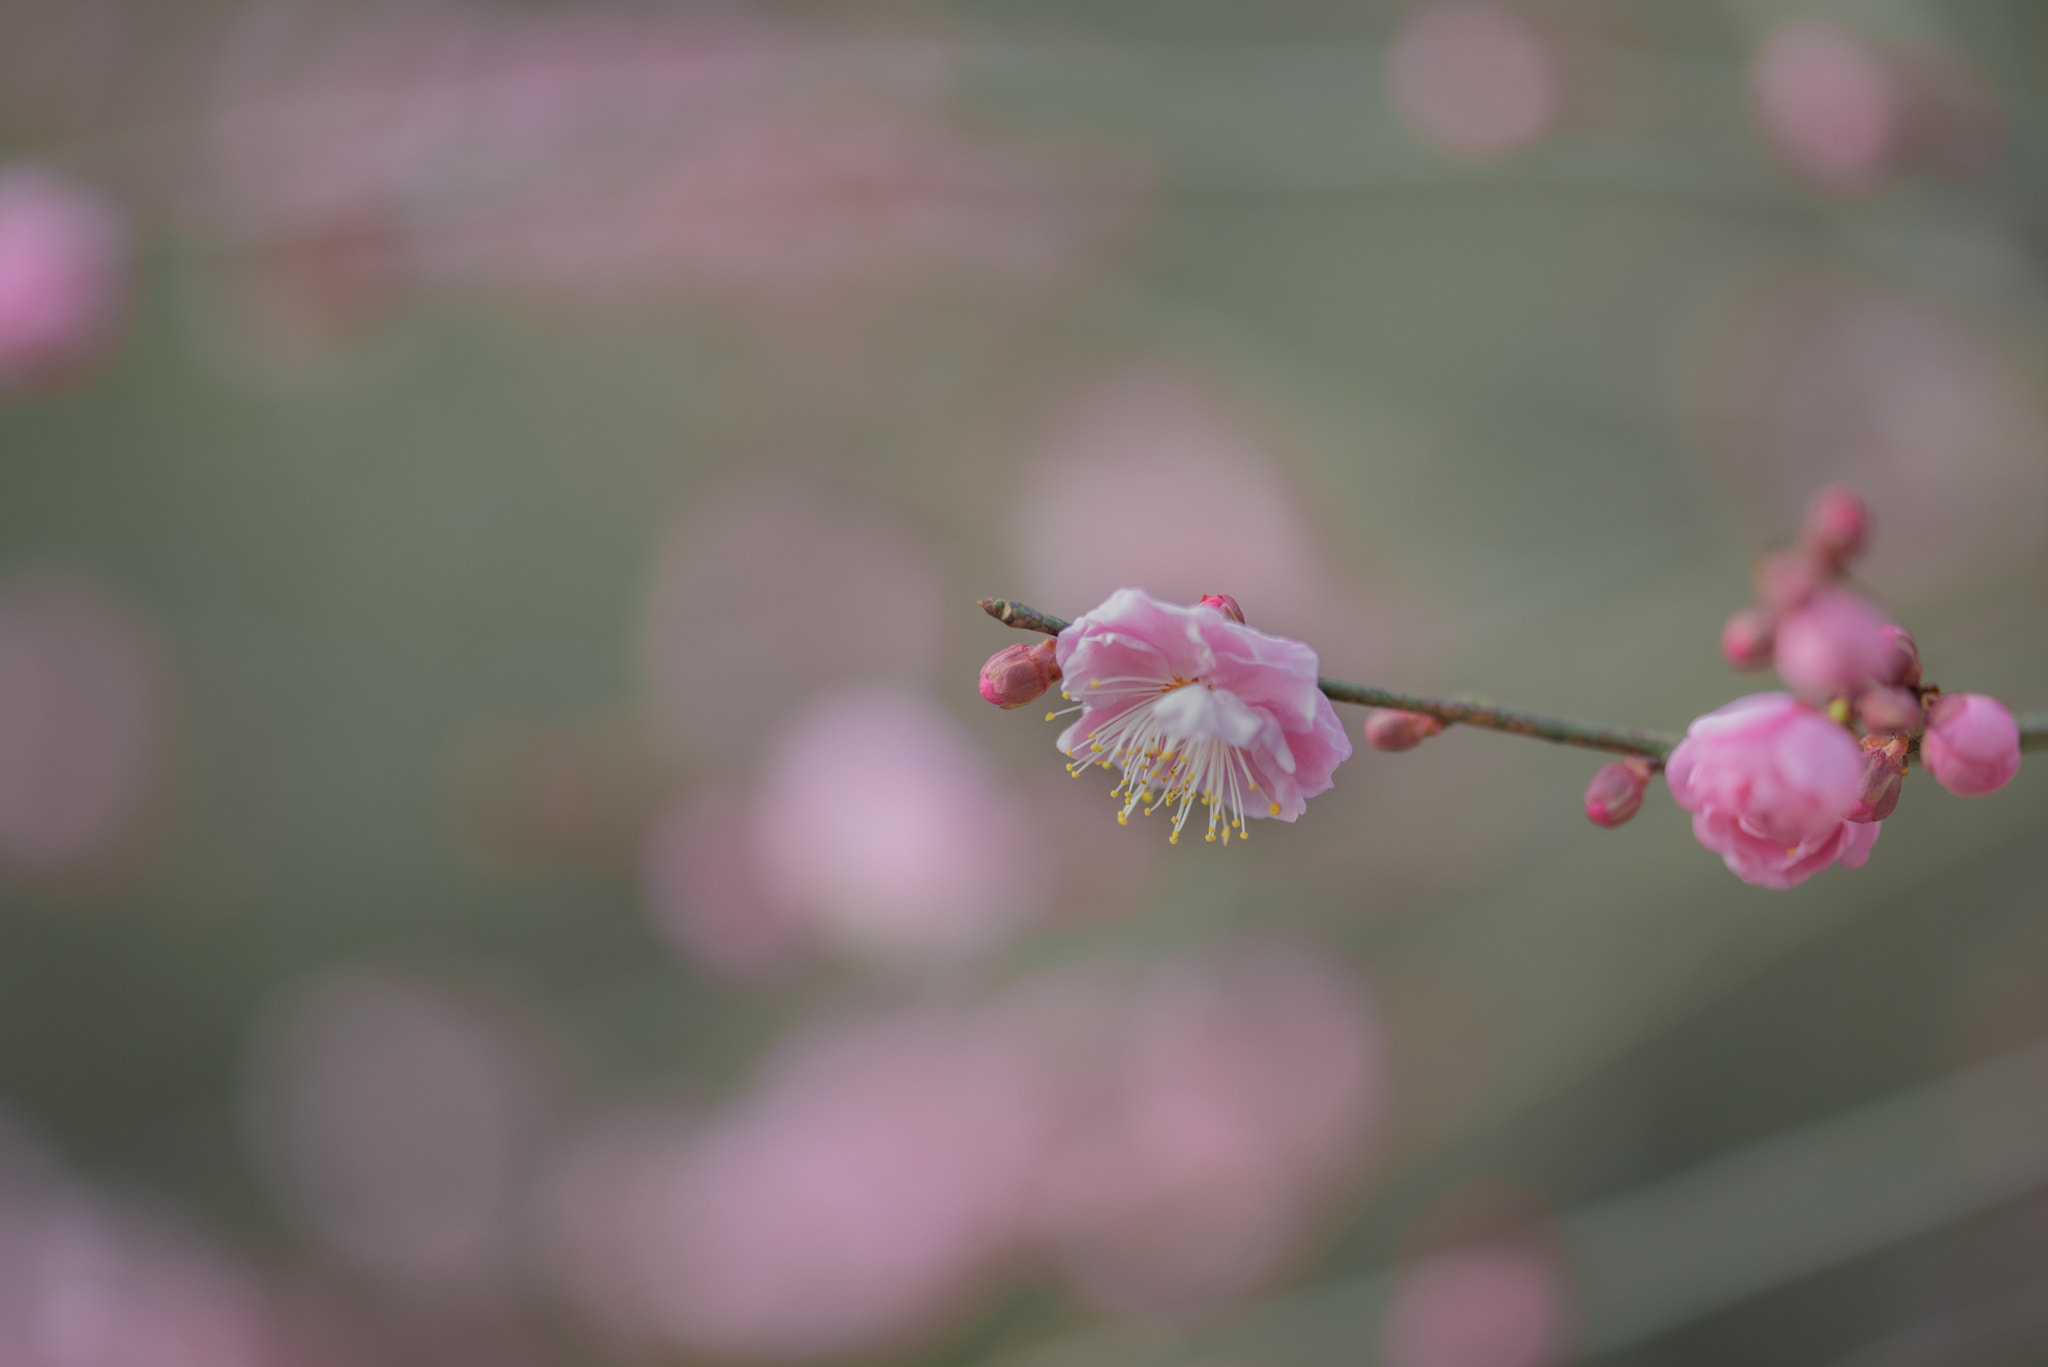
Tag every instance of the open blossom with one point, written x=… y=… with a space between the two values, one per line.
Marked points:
x=1972 y=745
x=1193 y=707
x=1769 y=781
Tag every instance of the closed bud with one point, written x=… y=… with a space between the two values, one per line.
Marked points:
x=1903 y=665
x=1837 y=526
x=1018 y=675
x=1786 y=579
x=1747 y=639
x=1224 y=604
x=1616 y=792
x=1884 y=774
x=1972 y=745
x=1889 y=711
x=1389 y=729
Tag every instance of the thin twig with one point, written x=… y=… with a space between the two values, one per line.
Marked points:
x=1654 y=745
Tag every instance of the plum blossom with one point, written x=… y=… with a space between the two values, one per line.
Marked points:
x=1834 y=645
x=1972 y=745
x=1193 y=707
x=62 y=263
x=1769 y=782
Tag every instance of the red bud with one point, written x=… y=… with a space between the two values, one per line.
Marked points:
x=1616 y=792
x=1224 y=604
x=1018 y=675
x=1747 y=639
x=1837 y=526
x=1389 y=729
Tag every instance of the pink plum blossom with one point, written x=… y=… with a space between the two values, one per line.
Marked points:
x=1615 y=792
x=61 y=275
x=1473 y=78
x=1768 y=781
x=1972 y=745
x=1834 y=645
x=881 y=828
x=1829 y=103
x=1192 y=706
x=1019 y=674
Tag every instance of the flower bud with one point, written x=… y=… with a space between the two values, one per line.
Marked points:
x=1903 y=668
x=1889 y=711
x=1972 y=745
x=1389 y=729
x=1834 y=646
x=1224 y=604
x=1884 y=774
x=1747 y=639
x=1018 y=675
x=1786 y=579
x=1837 y=526
x=1616 y=792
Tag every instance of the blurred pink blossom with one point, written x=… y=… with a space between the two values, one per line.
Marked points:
x=1972 y=745
x=1829 y=103
x=1474 y=78
x=62 y=276
x=1834 y=645
x=707 y=894
x=734 y=640
x=1192 y=706
x=881 y=827
x=397 y=1122
x=1808 y=382
x=83 y=727
x=625 y=159
x=851 y=1201
x=1477 y=1307
x=1769 y=781
x=1154 y=438
x=1209 y=1149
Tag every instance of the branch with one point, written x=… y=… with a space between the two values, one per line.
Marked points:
x=1654 y=745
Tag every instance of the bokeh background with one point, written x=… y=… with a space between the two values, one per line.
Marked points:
x=501 y=858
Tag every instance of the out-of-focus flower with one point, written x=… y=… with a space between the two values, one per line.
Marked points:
x=1972 y=745
x=62 y=276
x=1477 y=1307
x=1889 y=711
x=1211 y=1149
x=1768 y=781
x=1903 y=670
x=849 y=1203
x=1392 y=730
x=706 y=893
x=743 y=577
x=1616 y=791
x=1748 y=638
x=1193 y=707
x=1834 y=646
x=1474 y=78
x=1020 y=674
x=1194 y=458
x=83 y=727
x=1837 y=526
x=880 y=827
x=1803 y=382
x=1884 y=776
x=396 y=1122
x=624 y=160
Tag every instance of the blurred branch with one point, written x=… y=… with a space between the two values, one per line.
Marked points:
x=1489 y=716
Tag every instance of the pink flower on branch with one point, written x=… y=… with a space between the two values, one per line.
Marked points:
x=1194 y=707
x=1769 y=782
x=1972 y=745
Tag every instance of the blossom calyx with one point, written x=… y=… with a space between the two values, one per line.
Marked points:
x=1889 y=711
x=1224 y=604
x=1390 y=729
x=1616 y=791
x=1747 y=639
x=1972 y=745
x=1018 y=675
x=1837 y=526
x=1884 y=774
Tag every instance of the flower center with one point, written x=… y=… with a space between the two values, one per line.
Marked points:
x=1171 y=754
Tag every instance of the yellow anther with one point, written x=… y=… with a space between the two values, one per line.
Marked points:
x=1095 y=749
x=1095 y=683
x=1272 y=809
x=1173 y=839
x=1210 y=836
x=1253 y=787
x=1123 y=818
x=1050 y=715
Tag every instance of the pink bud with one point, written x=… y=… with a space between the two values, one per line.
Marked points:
x=1747 y=639
x=1616 y=791
x=1018 y=675
x=1224 y=604
x=1837 y=526
x=1389 y=729
x=1835 y=646
x=1889 y=711
x=1884 y=774
x=1904 y=666
x=1972 y=745
x=1786 y=579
